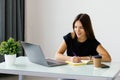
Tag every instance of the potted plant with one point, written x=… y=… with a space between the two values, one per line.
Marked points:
x=9 y=49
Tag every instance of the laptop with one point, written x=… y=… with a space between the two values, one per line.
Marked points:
x=36 y=55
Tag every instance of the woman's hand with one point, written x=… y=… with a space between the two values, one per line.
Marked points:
x=75 y=59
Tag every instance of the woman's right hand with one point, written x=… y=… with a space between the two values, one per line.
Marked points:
x=75 y=59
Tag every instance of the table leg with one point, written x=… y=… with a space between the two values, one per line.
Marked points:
x=20 y=77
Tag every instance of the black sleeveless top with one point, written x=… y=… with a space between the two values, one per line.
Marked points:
x=75 y=48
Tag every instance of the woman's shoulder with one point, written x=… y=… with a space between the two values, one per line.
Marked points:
x=70 y=35
x=93 y=41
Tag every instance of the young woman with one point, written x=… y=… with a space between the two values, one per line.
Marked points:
x=81 y=44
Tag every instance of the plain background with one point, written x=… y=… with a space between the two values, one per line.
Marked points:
x=47 y=21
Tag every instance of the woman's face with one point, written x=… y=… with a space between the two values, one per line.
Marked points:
x=79 y=30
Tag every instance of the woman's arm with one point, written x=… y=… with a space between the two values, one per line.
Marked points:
x=105 y=55
x=59 y=54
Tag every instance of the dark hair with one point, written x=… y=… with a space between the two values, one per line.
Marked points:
x=86 y=22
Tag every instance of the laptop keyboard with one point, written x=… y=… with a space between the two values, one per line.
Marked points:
x=54 y=62
x=49 y=63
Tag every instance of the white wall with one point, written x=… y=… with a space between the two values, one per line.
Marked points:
x=48 y=20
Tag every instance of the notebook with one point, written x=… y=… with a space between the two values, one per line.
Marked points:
x=83 y=62
x=36 y=55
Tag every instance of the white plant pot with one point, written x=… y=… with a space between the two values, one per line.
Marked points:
x=10 y=59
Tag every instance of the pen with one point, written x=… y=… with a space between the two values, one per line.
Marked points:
x=74 y=54
x=77 y=58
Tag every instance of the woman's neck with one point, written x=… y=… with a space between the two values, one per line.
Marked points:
x=82 y=39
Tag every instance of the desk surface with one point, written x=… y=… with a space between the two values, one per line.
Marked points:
x=24 y=67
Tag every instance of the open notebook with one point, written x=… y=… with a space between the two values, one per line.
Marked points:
x=83 y=62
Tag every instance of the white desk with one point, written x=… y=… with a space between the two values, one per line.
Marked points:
x=84 y=72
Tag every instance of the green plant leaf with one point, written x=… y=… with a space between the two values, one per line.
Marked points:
x=10 y=47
